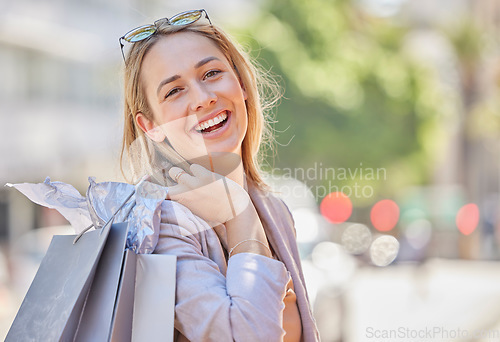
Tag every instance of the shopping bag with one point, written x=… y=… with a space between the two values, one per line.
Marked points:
x=154 y=300
x=142 y=295
x=145 y=301
x=96 y=290
x=104 y=295
x=54 y=304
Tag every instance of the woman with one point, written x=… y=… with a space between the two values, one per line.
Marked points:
x=194 y=121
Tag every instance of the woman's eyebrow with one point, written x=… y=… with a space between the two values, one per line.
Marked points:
x=166 y=81
x=205 y=61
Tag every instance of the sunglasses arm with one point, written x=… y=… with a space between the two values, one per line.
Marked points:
x=121 y=47
x=206 y=16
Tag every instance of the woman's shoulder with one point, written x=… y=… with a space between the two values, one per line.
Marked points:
x=270 y=199
x=269 y=203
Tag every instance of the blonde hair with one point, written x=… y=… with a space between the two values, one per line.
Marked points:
x=147 y=157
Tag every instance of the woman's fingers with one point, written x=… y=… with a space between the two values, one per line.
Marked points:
x=205 y=174
x=198 y=170
x=185 y=182
x=207 y=194
x=202 y=173
x=180 y=176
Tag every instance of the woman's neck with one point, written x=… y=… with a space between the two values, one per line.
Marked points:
x=229 y=165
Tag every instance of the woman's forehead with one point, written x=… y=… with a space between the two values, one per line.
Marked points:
x=182 y=49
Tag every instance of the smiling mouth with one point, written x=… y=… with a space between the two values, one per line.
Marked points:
x=212 y=125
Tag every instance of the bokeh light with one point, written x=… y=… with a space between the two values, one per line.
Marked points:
x=306 y=224
x=384 y=250
x=336 y=207
x=325 y=254
x=467 y=218
x=330 y=258
x=418 y=233
x=356 y=239
x=385 y=215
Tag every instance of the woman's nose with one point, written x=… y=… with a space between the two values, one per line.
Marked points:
x=201 y=97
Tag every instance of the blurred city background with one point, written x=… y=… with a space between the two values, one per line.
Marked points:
x=387 y=146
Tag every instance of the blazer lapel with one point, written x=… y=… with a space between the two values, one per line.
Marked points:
x=280 y=232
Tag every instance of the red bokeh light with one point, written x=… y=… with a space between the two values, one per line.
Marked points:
x=467 y=218
x=384 y=215
x=336 y=207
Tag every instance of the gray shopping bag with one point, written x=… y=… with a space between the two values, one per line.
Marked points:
x=64 y=292
x=145 y=299
x=142 y=295
x=98 y=315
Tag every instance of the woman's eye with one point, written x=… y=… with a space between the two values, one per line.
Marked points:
x=211 y=73
x=172 y=92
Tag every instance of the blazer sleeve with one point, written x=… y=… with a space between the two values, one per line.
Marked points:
x=244 y=305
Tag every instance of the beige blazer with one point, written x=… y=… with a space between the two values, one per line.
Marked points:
x=240 y=299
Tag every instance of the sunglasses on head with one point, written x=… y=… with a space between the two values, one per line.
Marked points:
x=146 y=31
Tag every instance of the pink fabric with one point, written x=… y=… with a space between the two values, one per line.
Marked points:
x=240 y=300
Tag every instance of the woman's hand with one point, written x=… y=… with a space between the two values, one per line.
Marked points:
x=214 y=198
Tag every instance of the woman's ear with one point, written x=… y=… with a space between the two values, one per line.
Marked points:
x=149 y=128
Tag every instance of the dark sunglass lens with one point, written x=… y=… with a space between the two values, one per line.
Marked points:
x=140 y=33
x=185 y=18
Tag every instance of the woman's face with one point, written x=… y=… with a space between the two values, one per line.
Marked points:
x=196 y=98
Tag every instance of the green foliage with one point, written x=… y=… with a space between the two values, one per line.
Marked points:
x=352 y=95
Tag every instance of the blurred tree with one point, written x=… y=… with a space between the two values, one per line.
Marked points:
x=480 y=87
x=477 y=53
x=353 y=98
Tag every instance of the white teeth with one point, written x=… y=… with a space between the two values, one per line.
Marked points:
x=204 y=125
